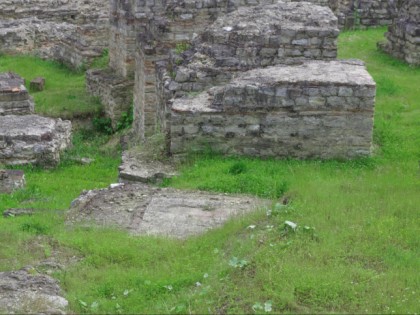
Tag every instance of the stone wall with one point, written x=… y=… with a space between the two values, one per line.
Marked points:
x=317 y=109
x=72 y=32
x=114 y=92
x=171 y=25
x=262 y=81
x=359 y=13
x=403 y=36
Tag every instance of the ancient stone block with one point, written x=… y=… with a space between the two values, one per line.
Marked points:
x=14 y=97
x=33 y=139
x=37 y=84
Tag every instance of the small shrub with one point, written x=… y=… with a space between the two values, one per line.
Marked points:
x=103 y=124
x=181 y=47
x=126 y=120
x=34 y=228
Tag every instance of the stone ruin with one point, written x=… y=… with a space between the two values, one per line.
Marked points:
x=403 y=36
x=25 y=137
x=132 y=22
x=73 y=32
x=247 y=78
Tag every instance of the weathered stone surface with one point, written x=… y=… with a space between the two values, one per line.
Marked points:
x=138 y=168
x=115 y=92
x=271 y=34
x=11 y=180
x=24 y=292
x=143 y=209
x=33 y=139
x=14 y=97
x=317 y=109
x=403 y=36
x=72 y=32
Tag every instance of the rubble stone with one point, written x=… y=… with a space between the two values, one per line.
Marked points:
x=33 y=139
x=23 y=292
x=11 y=180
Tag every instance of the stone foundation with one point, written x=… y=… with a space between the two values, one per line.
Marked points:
x=115 y=92
x=403 y=36
x=33 y=139
x=14 y=97
x=314 y=110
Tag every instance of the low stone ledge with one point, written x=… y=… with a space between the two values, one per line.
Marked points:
x=138 y=168
x=33 y=139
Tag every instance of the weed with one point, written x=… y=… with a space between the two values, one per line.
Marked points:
x=237 y=168
x=181 y=47
x=103 y=124
x=126 y=120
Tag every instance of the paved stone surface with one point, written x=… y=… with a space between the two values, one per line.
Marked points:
x=11 y=180
x=138 y=168
x=144 y=209
x=33 y=139
x=25 y=291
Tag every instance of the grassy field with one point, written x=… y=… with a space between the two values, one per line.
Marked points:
x=356 y=248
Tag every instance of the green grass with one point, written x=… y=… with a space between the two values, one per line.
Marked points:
x=64 y=95
x=356 y=249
